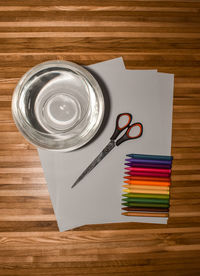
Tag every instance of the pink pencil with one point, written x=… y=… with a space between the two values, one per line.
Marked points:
x=150 y=170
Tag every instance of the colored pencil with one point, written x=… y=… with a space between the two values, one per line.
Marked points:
x=146 y=200
x=149 y=170
x=147 y=165
x=145 y=187
x=136 y=195
x=163 y=162
x=145 y=178
x=148 y=209
x=155 y=205
x=147 y=174
x=145 y=191
x=147 y=183
x=141 y=214
x=151 y=157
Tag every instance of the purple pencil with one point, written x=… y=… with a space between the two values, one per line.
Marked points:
x=148 y=165
x=149 y=174
x=163 y=162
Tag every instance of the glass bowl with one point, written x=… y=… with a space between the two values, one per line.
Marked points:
x=58 y=105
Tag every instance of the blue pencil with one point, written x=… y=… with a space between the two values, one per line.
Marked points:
x=150 y=157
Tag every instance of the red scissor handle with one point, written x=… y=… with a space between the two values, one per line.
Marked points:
x=118 y=128
x=128 y=136
x=133 y=126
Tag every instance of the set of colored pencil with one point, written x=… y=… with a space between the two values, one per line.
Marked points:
x=147 y=183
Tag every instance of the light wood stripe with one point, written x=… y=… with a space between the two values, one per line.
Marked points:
x=94 y=23
x=97 y=34
x=98 y=8
x=21 y=170
x=28 y=217
x=24 y=192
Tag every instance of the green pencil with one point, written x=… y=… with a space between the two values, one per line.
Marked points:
x=134 y=204
x=146 y=200
x=136 y=195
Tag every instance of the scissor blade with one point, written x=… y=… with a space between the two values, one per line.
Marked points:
x=96 y=161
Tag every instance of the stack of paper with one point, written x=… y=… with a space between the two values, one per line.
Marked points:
x=148 y=96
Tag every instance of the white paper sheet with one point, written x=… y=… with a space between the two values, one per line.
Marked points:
x=97 y=198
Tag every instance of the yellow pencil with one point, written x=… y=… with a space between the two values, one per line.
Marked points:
x=137 y=191
x=141 y=187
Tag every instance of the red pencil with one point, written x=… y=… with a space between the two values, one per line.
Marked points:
x=149 y=170
x=145 y=178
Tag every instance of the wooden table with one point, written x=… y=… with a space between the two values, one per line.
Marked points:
x=163 y=35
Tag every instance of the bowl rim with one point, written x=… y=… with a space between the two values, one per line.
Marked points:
x=63 y=64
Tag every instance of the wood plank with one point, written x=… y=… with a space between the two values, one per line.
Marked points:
x=155 y=34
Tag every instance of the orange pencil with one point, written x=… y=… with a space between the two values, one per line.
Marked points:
x=145 y=187
x=148 y=183
x=143 y=178
x=142 y=214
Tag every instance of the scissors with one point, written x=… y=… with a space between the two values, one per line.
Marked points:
x=118 y=129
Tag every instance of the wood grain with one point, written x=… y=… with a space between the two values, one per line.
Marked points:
x=163 y=35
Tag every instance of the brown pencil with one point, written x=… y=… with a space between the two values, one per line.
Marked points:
x=141 y=214
x=148 y=209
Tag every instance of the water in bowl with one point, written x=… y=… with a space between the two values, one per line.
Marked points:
x=55 y=101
